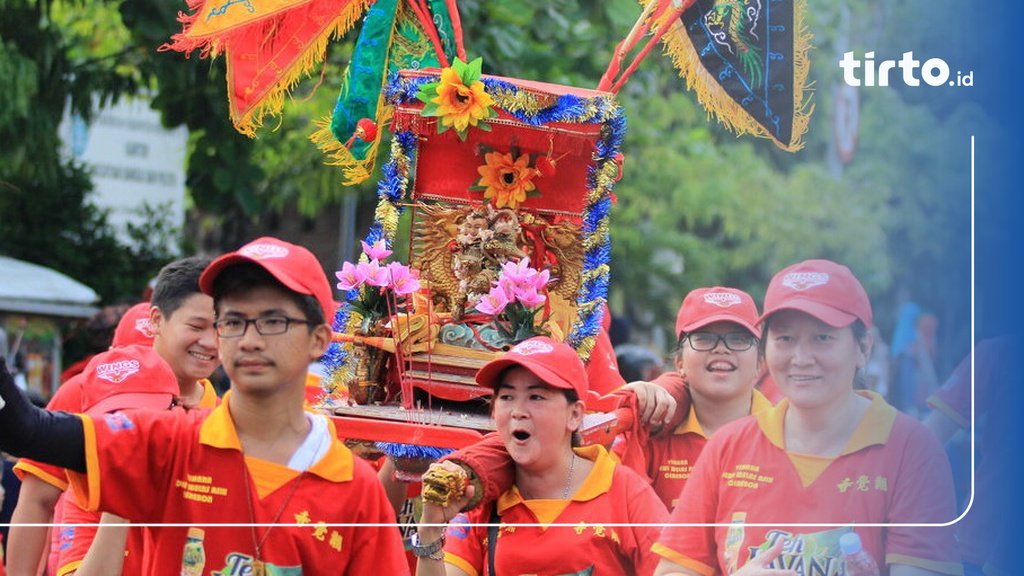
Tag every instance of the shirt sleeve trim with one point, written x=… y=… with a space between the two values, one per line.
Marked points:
x=461 y=563
x=684 y=561
x=69 y=568
x=23 y=468
x=87 y=486
x=947 y=410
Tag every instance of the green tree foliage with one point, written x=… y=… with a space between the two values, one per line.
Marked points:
x=58 y=228
x=700 y=209
x=698 y=206
x=49 y=62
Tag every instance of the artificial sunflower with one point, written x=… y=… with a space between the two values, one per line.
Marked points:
x=506 y=179
x=459 y=100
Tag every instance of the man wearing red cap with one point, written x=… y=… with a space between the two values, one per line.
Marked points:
x=784 y=489
x=43 y=484
x=255 y=462
x=565 y=497
x=184 y=317
x=145 y=377
x=184 y=338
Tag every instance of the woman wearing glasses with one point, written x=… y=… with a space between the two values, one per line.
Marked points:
x=717 y=358
x=827 y=454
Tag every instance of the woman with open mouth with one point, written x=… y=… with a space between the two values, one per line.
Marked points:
x=572 y=510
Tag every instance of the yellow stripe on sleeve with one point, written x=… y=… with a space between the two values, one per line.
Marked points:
x=87 y=486
x=684 y=561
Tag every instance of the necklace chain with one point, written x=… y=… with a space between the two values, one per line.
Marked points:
x=259 y=541
x=568 y=480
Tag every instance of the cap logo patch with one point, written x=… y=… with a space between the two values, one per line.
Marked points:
x=116 y=372
x=801 y=281
x=533 y=347
x=722 y=299
x=261 y=251
x=142 y=325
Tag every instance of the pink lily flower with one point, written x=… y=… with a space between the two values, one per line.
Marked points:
x=516 y=271
x=494 y=302
x=376 y=275
x=529 y=297
x=377 y=251
x=403 y=280
x=349 y=277
x=541 y=279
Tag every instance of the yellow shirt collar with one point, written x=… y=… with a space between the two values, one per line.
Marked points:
x=874 y=427
x=758 y=402
x=210 y=398
x=218 y=431
x=598 y=482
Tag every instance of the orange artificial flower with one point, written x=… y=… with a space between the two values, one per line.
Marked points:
x=506 y=181
x=460 y=106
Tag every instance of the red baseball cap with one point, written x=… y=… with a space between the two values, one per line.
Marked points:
x=133 y=328
x=292 y=265
x=822 y=288
x=705 y=306
x=555 y=363
x=130 y=376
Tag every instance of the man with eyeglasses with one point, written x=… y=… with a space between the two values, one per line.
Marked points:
x=255 y=486
x=717 y=360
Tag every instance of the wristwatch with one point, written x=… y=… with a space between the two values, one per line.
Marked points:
x=432 y=550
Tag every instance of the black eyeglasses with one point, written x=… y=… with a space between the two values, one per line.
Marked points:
x=265 y=326
x=735 y=341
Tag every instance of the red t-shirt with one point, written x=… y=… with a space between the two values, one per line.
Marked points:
x=69 y=543
x=892 y=471
x=671 y=457
x=577 y=534
x=68 y=398
x=188 y=469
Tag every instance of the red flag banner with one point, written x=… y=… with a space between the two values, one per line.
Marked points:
x=218 y=17
x=267 y=53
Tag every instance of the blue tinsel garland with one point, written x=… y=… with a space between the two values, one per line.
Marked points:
x=412 y=451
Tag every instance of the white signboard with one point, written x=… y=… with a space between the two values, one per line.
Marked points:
x=134 y=161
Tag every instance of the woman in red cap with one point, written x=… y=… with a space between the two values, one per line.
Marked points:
x=784 y=486
x=565 y=498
